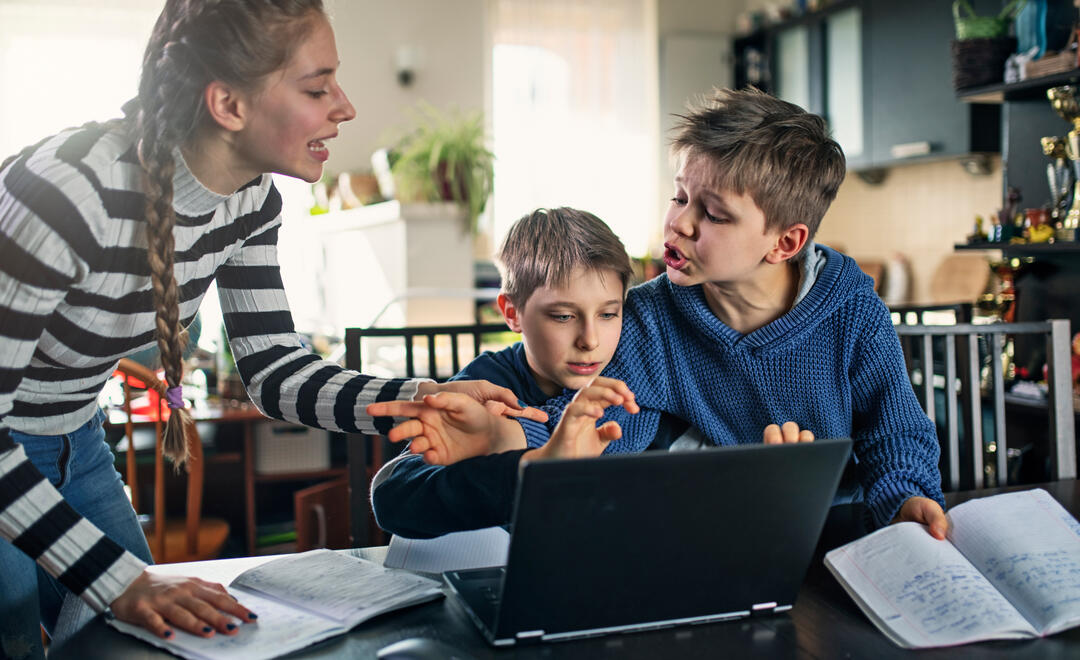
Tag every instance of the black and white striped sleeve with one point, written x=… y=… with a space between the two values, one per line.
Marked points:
x=37 y=520
x=39 y=260
x=284 y=379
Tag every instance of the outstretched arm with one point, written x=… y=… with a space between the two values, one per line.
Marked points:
x=415 y=500
x=895 y=442
x=451 y=426
x=282 y=377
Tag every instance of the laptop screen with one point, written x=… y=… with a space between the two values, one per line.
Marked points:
x=625 y=540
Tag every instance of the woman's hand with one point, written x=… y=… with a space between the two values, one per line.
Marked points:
x=158 y=602
x=445 y=428
x=484 y=392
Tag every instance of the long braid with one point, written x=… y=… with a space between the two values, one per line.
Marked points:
x=158 y=136
x=195 y=42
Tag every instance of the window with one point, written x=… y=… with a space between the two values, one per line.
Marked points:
x=575 y=112
x=66 y=62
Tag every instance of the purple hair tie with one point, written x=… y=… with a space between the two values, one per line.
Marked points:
x=175 y=396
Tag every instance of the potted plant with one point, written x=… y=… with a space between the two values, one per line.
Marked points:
x=445 y=159
x=982 y=44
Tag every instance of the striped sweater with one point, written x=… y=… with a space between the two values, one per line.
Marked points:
x=75 y=297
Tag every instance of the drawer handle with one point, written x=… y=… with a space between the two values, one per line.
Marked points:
x=910 y=149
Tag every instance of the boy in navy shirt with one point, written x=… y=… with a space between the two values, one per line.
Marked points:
x=564 y=278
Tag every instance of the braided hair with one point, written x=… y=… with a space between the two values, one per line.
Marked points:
x=194 y=43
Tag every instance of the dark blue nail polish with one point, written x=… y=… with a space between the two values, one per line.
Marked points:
x=168 y=633
x=230 y=626
x=207 y=629
x=252 y=615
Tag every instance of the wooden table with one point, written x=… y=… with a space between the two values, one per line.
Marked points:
x=825 y=623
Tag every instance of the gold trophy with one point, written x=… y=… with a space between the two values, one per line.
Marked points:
x=1065 y=102
x=1060 y=178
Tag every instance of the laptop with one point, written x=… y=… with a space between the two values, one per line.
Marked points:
x=625 y=543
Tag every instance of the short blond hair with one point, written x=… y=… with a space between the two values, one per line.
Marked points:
x=544 y=247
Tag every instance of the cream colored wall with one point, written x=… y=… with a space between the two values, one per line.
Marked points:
x=449 y=37
x=920 y=212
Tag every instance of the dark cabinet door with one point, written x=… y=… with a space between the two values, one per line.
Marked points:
x=914 y=110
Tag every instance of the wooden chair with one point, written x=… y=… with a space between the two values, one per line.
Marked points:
x=368 y=454
x=322 y=516
x=195 y=537
x=945 y=361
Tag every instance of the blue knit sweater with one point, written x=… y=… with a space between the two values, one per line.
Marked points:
x=833 y=364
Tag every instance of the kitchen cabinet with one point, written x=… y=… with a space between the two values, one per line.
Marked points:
x=914 y=112
x=879 y=71
x=845 y=109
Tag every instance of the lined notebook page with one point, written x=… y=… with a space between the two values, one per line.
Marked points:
x=1028 y=546
x=345 y=589
x=479 y=548
x=921 y=591
x=280 y=629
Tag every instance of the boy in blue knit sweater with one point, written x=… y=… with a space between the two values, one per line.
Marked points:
x=753 y=323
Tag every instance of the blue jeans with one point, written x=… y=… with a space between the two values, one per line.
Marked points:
x=80 y=465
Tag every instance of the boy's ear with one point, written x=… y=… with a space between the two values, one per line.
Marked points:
x=510 y=312
x=226 y=105
x=788 y=243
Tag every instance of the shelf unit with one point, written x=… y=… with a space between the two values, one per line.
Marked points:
x=1025 y=90
x=253 y=478
x=1063 y=248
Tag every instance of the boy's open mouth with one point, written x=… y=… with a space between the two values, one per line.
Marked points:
x=673 y=258
x=583 y=368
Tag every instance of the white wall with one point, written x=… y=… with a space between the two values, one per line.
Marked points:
x=695 y=56
x=451 y=39
x=450 y=73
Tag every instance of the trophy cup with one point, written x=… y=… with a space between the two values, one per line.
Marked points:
x=1061 y=180
x=1065 y=102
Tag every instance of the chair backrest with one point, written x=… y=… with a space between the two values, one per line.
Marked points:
x=914 y=314
x=194 y=466
x=434 y=365
x=443 y=353
x=322 y=516
x=945 y=361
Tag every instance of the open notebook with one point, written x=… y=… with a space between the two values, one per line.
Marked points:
x=1009 y=569
x=300 y=599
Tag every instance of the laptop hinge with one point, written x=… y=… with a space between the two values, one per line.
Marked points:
x=770 y=607
x=529 y=634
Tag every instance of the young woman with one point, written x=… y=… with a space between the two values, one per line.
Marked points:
x=110 y=235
